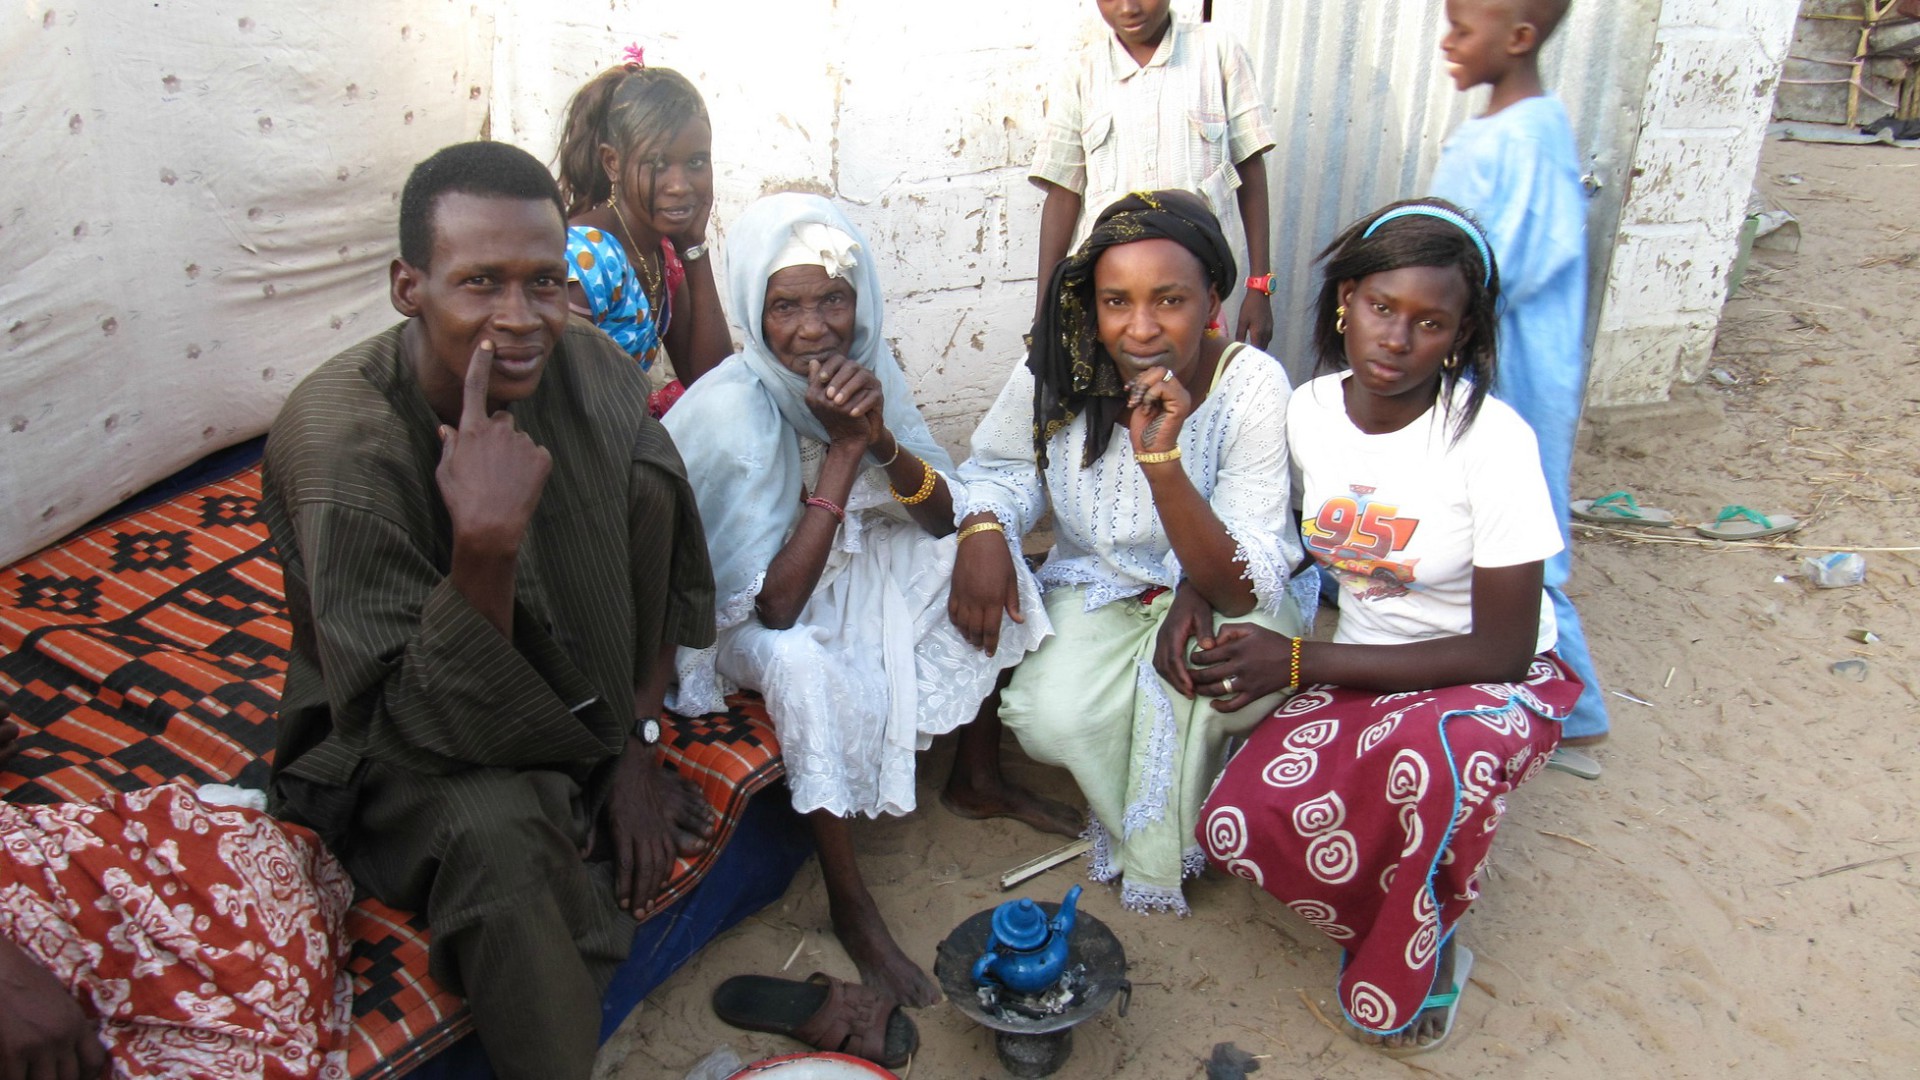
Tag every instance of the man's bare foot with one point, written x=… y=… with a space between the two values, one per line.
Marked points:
x=9 y=741
x=1011 y=801
x=1430 y=1028
x=882 y=964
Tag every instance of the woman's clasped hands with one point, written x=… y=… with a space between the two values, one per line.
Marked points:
x=1235 y=664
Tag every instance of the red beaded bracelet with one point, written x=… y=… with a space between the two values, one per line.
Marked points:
x=828 y=505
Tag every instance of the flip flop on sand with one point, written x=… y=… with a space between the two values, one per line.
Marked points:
x=1448 y=1000
x=1578 y=763
x=1621 y=508
x=1740 y=523
x=824 y=1012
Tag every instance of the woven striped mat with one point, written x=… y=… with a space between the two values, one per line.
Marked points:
x=152 y=649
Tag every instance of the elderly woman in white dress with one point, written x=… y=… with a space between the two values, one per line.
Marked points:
x=829 y=516
x=1160 y=450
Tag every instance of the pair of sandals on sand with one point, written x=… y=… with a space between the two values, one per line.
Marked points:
x=1734 y=522
x=826 y=1013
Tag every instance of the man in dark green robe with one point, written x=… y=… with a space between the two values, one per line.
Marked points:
x=491 y=553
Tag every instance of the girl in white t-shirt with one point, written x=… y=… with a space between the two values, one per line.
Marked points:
x=1369 y=801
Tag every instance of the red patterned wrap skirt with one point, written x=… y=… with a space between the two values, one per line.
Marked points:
x=1371 y=816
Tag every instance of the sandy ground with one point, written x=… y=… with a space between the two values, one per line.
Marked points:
x=1738 y=894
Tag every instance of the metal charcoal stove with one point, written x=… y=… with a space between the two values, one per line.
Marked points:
x=1033 y=1033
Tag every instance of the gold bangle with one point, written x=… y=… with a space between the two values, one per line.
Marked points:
x=1293 y=666
x=927 y=479
x=1159 y=458
x=980 y=527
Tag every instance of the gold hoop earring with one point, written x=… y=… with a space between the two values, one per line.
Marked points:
x=1452 y=362
x=1340 y=319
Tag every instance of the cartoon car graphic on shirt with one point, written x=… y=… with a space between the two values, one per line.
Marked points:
x=1392 y=576
x=1353 y=537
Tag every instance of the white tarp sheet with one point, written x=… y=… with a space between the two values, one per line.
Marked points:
x=198 y=207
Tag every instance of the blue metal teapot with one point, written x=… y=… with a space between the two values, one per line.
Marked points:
x=1026 y=953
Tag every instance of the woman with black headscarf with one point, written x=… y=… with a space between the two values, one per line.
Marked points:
x=1159 y=448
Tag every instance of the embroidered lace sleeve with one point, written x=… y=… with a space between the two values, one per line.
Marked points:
x=1253 y=491
x=1001 y=477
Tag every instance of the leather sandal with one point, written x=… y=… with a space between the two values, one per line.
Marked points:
x=824 y=1012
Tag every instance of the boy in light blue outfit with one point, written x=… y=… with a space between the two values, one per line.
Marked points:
x=1516 y=168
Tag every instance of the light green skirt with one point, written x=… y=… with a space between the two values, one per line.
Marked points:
x=1145 y=757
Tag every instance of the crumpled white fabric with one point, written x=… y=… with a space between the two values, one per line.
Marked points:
x=228 y=795
x=815 y=244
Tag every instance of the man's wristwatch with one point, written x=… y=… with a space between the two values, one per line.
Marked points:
x=1263 y=283
x=647 y=730
x=695 y=253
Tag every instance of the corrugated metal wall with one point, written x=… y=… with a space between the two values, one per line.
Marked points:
x=1362 y=102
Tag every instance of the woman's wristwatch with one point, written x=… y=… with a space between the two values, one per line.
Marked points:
x=1261 y=284
x=696 y=252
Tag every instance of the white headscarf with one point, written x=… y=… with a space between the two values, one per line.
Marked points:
x=819 y=245
x=735 y=426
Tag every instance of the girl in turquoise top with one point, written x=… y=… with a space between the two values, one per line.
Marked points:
x=636 y=168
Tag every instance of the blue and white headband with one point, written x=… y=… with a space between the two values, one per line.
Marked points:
x=1465 y=226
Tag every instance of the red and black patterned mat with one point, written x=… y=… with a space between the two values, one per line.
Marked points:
x=153 y=648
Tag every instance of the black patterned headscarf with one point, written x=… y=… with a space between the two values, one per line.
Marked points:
x=1072 y=372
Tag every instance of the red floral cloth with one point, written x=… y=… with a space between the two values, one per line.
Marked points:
x=663 y=398
x=1371 y=816
x=206 y=940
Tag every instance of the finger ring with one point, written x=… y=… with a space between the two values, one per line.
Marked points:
x=1227 y=684
x=1168 y=377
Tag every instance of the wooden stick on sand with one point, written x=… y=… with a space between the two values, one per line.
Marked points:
x=1044 y=863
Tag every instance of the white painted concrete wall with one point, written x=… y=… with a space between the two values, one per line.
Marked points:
x=1716 y=64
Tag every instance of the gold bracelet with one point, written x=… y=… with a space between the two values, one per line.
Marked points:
x=1293 y=667
x=1159 y=458
x=980 y=527
x=927 y=479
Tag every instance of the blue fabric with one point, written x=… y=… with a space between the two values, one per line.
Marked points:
x=767 y=848
x=619 y=301
x=1519 y=174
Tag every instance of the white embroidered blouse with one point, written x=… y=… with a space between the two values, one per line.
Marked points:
x=1107 y=534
